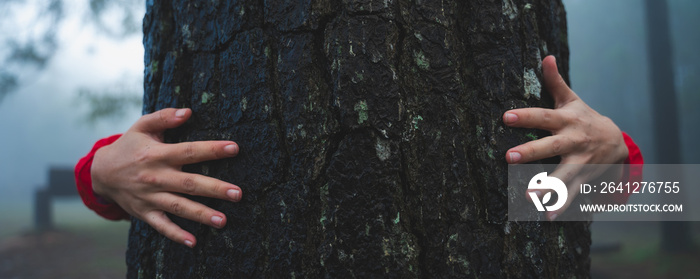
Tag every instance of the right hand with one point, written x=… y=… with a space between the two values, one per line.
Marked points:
x=144 y=175
x=580 y=135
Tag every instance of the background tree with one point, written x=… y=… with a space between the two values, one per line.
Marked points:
x=370 y=133
x=675 y=236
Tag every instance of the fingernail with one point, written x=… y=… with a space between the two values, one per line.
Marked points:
x=538 y=193
x=510 y=118
x=552 y=217
x=231 y=148
x=515 y=157
x=180 y=112
x=189 y=243
x=234 y=194
x=216 y=220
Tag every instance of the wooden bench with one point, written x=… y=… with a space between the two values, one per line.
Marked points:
x=61 y=184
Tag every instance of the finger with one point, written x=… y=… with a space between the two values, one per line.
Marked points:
x=567 y=172
x=191 y=210
x=538 y=118
x=199 y=185
x=199 y=151
x=564 y=171
x=555 y=84
x=540 y=149
x=161 y=223
x=159 y=121
x=573 y=172
x=573 y=189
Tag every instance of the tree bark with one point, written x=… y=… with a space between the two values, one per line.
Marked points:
x=371 y=137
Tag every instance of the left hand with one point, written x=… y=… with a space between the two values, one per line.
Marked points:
x=580 y=135
x=144 y=176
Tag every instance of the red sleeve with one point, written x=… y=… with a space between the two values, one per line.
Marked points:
x=83 y=181
x=632 y=173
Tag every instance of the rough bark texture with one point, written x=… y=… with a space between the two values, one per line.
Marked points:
x=371 y=136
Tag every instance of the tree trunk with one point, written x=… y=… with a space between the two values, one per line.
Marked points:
x=675 y=235
x=371 y=137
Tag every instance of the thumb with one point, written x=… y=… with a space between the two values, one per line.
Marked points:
x=555 y=84
x=159 y=121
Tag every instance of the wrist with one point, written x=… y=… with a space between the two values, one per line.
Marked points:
x=98 y=190
x=624 y=152
x=619 y=169
x=83 y=179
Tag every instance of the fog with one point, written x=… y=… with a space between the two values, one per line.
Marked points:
x=43 y=123
x=609 y=66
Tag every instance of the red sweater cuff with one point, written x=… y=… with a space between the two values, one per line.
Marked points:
x=634 y=160
x=83 y=181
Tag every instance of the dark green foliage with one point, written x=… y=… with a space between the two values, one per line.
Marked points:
x=371 y=137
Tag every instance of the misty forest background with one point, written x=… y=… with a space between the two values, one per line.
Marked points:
x=65 y=64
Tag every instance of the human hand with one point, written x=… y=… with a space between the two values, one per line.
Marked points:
x=144 y=175
x=579 y=135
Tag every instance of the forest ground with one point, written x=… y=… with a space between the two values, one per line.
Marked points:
x=83 y=246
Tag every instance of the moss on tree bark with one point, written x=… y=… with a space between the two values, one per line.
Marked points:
x=371 y=136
